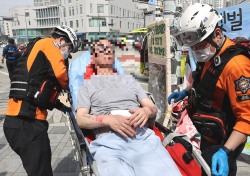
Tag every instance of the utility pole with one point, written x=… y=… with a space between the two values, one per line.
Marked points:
x=26 y=29
x=99 y=24
x=144 y=17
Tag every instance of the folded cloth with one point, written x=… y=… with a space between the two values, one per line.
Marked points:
x=121 y=112
x=107 y=129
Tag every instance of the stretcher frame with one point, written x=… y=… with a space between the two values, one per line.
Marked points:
x=87 y=164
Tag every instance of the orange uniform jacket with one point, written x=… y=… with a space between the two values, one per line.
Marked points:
x=235 y=82
x=45 y=61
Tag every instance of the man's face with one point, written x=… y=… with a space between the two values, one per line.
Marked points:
x=103 y=55
x=205 y=44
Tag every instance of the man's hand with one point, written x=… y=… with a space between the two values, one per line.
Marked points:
x=220 y=163
x=120 y=124
x=2 y=60
x=139 y=117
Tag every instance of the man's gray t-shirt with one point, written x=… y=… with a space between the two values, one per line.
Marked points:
x=104 y=93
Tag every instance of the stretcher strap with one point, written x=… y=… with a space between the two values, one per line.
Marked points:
x=171 y=136
x=202 y=162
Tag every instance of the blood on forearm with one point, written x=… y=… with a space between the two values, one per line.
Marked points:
x=97 y=118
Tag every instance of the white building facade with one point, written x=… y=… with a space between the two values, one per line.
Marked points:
x=37 y=21
x=97 y=18
x=217 y=4
x=90 y=19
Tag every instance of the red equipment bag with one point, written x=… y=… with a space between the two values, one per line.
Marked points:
x=180 y=151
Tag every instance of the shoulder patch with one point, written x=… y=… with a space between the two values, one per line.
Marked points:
x=242 y=84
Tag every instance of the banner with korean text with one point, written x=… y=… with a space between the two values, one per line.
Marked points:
x=236 y=20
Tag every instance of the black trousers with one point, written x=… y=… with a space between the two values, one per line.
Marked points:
x=208 y=149
x=29 y=139
x=11 y=64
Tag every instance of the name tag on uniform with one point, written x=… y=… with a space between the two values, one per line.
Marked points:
x=243 y=97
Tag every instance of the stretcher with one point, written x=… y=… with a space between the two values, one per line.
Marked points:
x=186 y=157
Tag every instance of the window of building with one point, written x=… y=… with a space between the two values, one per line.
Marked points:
x=128 y=25
x=80 y=9
x=120 y=12
x=128 y=14
x=114 y=9
x=100 y=8
x=76 y=10
x=69 y=1
x=82 y=22
x=71 y=24
x=111 y=9
x=73 y=12
x=90 y=8
x=64 y=12
x=69 y=11
x=95 y=22
x=123 y=13
x=103 y=22
x=120 y=24
x=77 y=24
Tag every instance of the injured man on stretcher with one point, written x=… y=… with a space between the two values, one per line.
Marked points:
x=119 y=111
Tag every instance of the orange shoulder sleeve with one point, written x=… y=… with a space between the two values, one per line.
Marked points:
x=56 y=59
x=238 y=89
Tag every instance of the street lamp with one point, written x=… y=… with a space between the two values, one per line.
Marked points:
x=26 y=14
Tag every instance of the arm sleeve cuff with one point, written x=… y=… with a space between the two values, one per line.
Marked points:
x=243 y=127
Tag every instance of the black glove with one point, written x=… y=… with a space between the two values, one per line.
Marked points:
x=66 y=109
x=60 y=106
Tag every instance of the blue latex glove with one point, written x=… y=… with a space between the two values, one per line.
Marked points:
x=177 y=96
x=220 y=163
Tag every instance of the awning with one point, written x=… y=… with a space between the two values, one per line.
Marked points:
x=80 y=33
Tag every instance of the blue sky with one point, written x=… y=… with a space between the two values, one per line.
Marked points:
x=8 y=4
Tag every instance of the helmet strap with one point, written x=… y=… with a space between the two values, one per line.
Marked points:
x=210 y=40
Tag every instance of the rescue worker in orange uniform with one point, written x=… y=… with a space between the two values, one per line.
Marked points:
x=40 y=68
x=219 y=100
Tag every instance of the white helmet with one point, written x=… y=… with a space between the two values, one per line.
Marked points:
x=69 y=33
x=197 y=22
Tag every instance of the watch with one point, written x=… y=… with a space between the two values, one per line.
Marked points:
x=228 y=151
